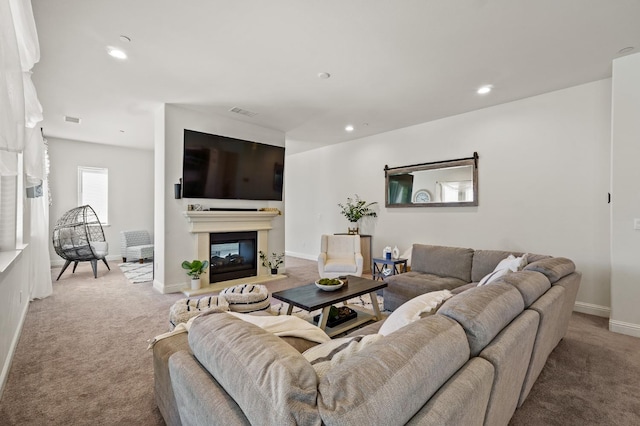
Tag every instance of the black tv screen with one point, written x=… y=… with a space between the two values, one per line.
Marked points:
x=220 y=167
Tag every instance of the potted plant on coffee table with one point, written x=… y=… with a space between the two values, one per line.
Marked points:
x=194 y=270
x=272 y=261
x=354 y=210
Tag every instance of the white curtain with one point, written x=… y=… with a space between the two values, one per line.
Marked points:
x=36 y=168
x=11 y=84
x=20 y=113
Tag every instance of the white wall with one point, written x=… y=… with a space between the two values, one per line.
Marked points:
x=625 y=205
x=178 y=243
x=543 y=183
x=130 y=187
x=15 y=292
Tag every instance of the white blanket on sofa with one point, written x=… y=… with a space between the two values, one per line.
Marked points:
x=281 y=325
x=286 y=325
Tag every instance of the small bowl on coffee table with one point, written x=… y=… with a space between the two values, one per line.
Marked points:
x=330 y=287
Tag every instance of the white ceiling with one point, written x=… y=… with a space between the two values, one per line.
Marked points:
x=392 y=63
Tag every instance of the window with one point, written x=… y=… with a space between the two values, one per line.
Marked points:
x=93 y=189
x=456 y=191
x=10 y=179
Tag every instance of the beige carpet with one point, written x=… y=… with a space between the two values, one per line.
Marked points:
x=82 y=359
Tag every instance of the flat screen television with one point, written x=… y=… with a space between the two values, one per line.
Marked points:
x=221 y=167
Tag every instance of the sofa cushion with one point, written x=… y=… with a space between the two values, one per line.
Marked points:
x=460 y=401
x=328 y=355
x=442 y=261
x=553 y=268
x=404 y=287
x=483 y=312
x=485 y=261
x=405 y=366
x=278 y=385
x=530 y=284
x=413 y=310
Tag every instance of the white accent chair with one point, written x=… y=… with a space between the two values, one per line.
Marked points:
x=135 y=245
x=340 y=255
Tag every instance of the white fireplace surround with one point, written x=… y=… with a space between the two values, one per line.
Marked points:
x=203 y=223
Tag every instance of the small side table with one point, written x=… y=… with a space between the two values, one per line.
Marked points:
x=397 y=266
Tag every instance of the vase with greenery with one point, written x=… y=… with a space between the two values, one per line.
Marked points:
x=355 y=209
x=272 y=261
x=194 y=270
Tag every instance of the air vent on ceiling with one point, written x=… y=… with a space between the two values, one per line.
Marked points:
x=68 y=119
x=239 y=110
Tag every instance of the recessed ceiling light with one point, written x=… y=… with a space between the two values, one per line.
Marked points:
x=626 y=49
x=116 y=53
x=125 y=38
x=349 y=128
x=485 y=89
x=324 y=75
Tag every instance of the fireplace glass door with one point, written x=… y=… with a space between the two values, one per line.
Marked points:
x=233 y=255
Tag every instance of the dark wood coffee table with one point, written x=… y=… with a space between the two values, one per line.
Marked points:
x=309 y=297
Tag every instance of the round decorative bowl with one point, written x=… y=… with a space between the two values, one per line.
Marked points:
x=331 y=287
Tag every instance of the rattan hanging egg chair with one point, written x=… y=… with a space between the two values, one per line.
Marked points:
x=78 y=237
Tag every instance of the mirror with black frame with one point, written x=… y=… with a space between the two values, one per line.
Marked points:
x=451 y=183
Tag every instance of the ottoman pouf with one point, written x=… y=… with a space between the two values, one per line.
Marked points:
x=185 y=309
x=247 y=298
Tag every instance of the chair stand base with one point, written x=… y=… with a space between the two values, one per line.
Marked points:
x=94 y=267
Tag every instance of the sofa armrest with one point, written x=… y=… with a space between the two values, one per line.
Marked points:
x=198 y=395
x=359 y=264
x=554 y=268
x=322 y=259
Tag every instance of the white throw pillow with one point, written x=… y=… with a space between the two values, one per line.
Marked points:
x=491 y=277
x=412 y=310
x=327 y=355
x=505 y=266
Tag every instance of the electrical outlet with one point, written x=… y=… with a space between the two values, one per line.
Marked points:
x=636 y=223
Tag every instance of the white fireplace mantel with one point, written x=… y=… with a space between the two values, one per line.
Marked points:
x=229 y=221
x=203 y=223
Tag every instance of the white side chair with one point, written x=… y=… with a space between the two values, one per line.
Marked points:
x=340 y=255
x=135 y=245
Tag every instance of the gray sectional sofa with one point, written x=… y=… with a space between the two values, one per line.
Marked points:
x=473 y=362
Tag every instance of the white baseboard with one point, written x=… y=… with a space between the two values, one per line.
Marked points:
x=591 y=309
x=171 y=288
x=627 y=328
x=301 y=255
x=12 y=349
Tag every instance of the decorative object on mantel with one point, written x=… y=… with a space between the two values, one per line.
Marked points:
x=354 y=210
x=178 y=190
x=271 y=209
x=194 y=270
x=272 y=261
x=194 y=207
